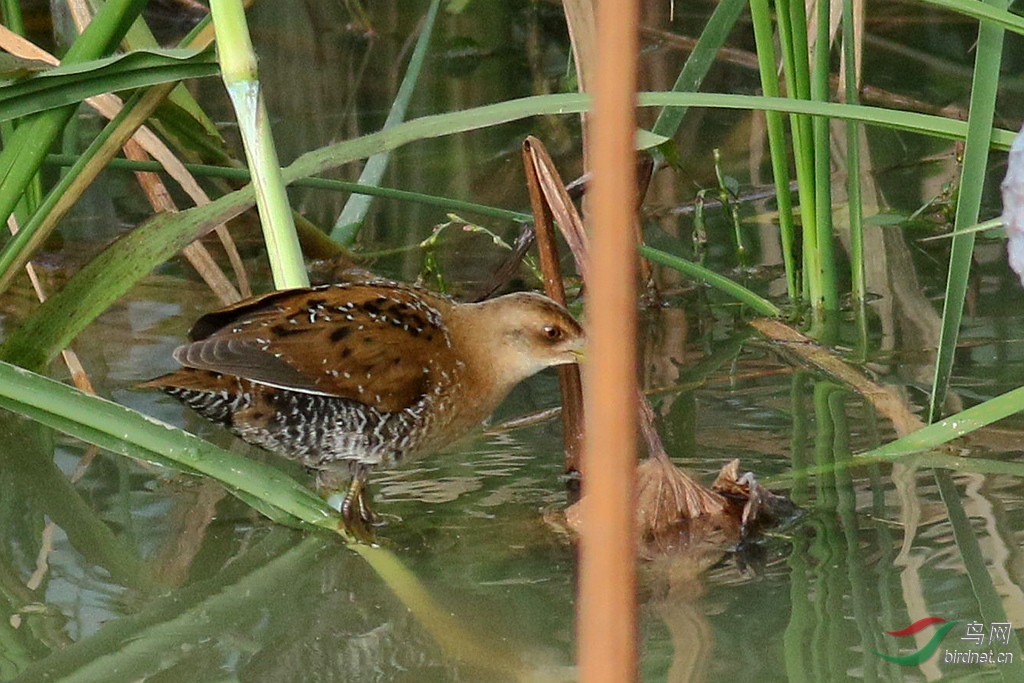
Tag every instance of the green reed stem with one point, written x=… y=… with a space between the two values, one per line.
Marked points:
x=792 y=26
x=853 y=187
x=720 y=282
x=778 y=149
x=346 y=228
x=825 y=256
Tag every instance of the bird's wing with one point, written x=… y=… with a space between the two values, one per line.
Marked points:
x=375 y=344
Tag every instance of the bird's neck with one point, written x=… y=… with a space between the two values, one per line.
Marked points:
x=490 y=366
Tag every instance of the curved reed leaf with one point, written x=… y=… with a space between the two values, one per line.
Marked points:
x=984 y=12
x=99 y=283
x=97 y=420
x=943 y=431
x=55 y=323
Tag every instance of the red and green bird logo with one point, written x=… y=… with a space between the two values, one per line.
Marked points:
x=922 y=655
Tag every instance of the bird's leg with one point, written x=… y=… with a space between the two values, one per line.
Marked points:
x=355 y=509
x=355 y=506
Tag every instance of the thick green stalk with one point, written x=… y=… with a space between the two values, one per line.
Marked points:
x=979 y=132
x=238 y=67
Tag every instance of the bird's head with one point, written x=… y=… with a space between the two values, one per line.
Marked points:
x=523 y=333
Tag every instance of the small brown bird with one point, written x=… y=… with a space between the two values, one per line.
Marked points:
x=346 y=378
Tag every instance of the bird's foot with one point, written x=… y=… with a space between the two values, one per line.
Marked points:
x=360 y=519
x=352 y=500
x=360 y=528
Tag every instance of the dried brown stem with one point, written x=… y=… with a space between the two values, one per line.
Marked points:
x=196 y=253
x=542 y=182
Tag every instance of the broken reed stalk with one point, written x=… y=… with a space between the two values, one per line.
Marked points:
x=557 y=201
x=667 y=494
x=238 y=71
x=542 y=185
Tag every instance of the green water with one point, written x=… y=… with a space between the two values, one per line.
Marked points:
x=121 y=571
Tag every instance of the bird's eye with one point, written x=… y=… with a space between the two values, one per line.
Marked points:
x=553 y=332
